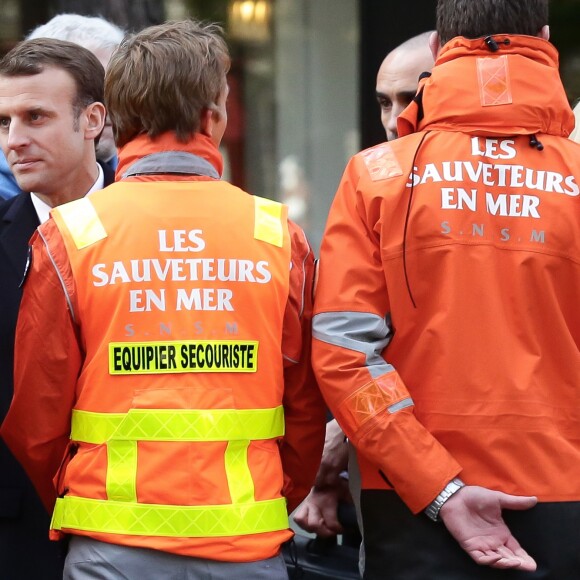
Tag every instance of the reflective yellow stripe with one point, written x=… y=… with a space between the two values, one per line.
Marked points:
x=178 y=425
x=240 y=482
x=91 y=515
x=88 y=427
x=183 y=356
x=122 y=470
x=82 y=221
x=268 y=225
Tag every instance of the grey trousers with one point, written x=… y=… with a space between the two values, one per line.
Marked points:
x=354 y=484
x=94 y=560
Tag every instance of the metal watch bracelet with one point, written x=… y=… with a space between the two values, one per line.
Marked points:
x=433 y=509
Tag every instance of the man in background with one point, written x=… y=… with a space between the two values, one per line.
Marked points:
x=101 y=38
x=51 y=114
x=398 y=78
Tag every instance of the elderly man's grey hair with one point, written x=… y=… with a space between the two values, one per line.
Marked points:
x=91 y=32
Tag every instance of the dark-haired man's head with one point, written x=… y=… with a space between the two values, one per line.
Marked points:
x=99 y=36
x=51 y=112
x=477 y=18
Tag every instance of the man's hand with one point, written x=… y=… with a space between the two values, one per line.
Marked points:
x=318 y=512
x=473 y=517
x=334 y=457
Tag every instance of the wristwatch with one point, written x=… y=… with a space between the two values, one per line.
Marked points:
x=433 y=509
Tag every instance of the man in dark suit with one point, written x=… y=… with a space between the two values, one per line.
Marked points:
x=51 y=115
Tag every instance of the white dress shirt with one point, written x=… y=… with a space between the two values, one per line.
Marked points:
x=43 y=209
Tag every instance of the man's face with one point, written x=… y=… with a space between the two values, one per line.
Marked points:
x=42 y=141
x=397 y=82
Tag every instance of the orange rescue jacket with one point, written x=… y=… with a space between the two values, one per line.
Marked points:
x=446 y=323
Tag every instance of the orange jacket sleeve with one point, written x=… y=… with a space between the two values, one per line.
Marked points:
x=304 y=409
x=46 y=365
x=351 y=332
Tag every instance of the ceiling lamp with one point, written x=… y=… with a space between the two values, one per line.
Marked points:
x=249 y=20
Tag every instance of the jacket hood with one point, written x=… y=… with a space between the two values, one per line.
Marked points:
x=509 y=86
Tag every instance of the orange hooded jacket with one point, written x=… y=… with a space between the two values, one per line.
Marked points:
x=181 y=347
x=447 y=326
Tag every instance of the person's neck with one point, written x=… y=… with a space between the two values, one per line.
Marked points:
x=73 y=190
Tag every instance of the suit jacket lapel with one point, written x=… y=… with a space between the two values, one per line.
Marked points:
x=18 y=224
x=108 y=172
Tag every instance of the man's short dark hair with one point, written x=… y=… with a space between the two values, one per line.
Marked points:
x=477 y=18
x=32 y=57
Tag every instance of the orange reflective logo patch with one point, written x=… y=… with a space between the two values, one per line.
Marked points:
x=374 y=398
x=392 y=387
x=382 y=163
x=494 y=81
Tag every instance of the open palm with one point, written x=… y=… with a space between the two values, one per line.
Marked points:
x=473 y=516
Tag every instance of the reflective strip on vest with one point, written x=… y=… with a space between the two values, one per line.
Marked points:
x=240 y=482
x=178 y=425
x=121 y=514
x=122 y=470
x=268 y=226
x=83 y=223
x=93 y=515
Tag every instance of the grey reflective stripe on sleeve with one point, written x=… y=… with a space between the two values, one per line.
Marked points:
x=408 y=402
x=362 y=332
x=68 y=300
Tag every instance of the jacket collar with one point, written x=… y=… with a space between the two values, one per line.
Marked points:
x=18 y=224
x=523 y=72
x=108 y=172
x=142 y=146
x=171 y=163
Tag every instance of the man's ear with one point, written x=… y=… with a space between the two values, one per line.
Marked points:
x=434 y=44
x=206 y=122
x=209 y=117
x=544 y=32
x=94 y=115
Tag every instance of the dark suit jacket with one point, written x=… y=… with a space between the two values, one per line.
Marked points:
x=25 y=550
